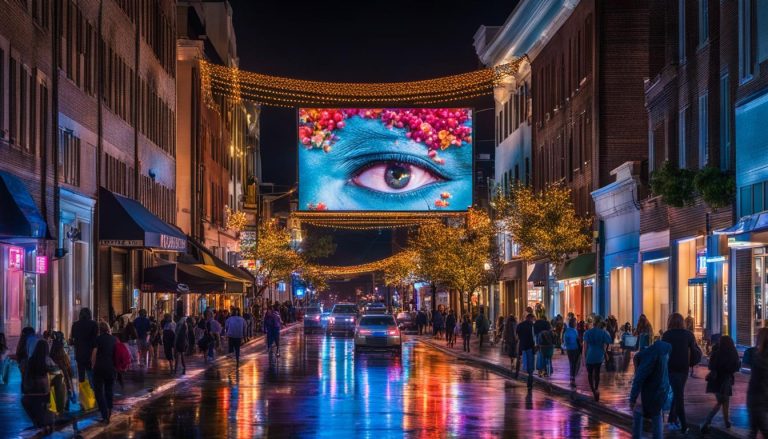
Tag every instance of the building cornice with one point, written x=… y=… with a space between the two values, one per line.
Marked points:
x=526 y=30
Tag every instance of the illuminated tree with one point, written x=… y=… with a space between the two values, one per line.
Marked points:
x=400 y=271
x=275 y=259
x=313 y=276
x=316 y=246
x=544 y=223
x=456 y=256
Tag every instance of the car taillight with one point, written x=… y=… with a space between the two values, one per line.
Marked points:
x=317 y=318
x=364 y=332
x=392 y=332
x=332 y=319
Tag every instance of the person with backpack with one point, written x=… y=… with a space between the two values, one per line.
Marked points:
x=685 y=352
x=180 y=344
x=651 y=383
x=546 y=341
x=272 y=325
x=103 y=360
x=235 y=329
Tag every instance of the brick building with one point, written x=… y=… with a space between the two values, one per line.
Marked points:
x=587 y=91
x=88 y=101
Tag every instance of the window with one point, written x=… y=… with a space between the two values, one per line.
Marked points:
x=746 y=39
x=757 y=197
x=745 y=201
x=703 y=21
x=703 y=130
x=682 y=150
x=681 y=31
x=69 y=158
x=725 y=123
x=762 y=30
x=12 y=104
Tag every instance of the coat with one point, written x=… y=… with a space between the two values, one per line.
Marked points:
x=720 y=378
x=651 y=380
x=757 y=390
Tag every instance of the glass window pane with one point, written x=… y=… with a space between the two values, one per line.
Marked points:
x=757 y=196
x=745 y=200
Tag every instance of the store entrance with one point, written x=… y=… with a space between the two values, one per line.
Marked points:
x=760 y=288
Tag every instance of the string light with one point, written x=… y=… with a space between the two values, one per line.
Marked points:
x=347 y=270
x=290 y=92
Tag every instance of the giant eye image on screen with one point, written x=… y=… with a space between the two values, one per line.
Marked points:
x=385 y=159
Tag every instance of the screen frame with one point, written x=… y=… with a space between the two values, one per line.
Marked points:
x=436 y=212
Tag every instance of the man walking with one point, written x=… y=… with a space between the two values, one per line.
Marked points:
x=685 y=353
x=235 y=329
x=596 y=341
x=142 y=325
x=84 y=333
x=272 y=325
x=527 y=346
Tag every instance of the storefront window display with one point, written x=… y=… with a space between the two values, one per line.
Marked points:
x=691 y=280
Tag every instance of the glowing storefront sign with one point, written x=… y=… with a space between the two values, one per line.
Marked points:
x=41 y=264
x=15 y=258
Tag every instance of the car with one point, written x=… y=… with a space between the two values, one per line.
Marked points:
x=312 y=319
x=378 y=332
x=406 y=321
x=342 y=319
x=376 y=308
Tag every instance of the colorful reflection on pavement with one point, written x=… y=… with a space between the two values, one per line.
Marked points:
x=320 y=388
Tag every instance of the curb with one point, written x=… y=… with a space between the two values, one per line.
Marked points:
x=581 y=401
x=137 y=400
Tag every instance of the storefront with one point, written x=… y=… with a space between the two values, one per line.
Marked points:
x=538 y=276
x=513 y=282
x=577 y=283
x=692 y=297
x=23 y=258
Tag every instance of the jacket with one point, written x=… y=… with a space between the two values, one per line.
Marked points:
x=722 y=369
x=450 y=321
x=525 y=335
x=757 y=390
x=682 y=342
x=482 y=324
x=651 y=380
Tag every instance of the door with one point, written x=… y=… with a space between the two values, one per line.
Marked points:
x=14 y=295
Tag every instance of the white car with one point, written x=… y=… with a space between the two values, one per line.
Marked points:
x=379 y=332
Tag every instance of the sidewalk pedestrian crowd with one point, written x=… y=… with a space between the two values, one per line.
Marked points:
x=63 y=378
x=662 y=362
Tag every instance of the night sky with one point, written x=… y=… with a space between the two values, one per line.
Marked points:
x=355 y=41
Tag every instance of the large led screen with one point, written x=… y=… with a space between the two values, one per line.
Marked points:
x=385 y=159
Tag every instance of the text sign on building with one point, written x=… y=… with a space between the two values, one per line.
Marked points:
x=41 y=264
x=15 y=258
x=172 y=242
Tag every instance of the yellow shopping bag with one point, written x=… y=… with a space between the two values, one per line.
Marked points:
x=87 y=397
x=52 y=404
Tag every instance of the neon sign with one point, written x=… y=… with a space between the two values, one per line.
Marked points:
x=41 y=264
x=15 y=258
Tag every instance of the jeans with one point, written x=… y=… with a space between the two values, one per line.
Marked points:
x=528 y=364
x=465 y=338
x=574 y=361
x=657 y=426
x=234 y=343
x=677 y=381
x=103 y=389
x=273 y=337
x=593 y=375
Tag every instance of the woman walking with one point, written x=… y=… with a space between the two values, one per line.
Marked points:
x=723 y=364
x=466 y=331
x=510 y=342
x=596 y=341
x=180 y=345
x=169 y=339
x=757 y=391
x=103 y=360
x=546 y=342
x=36 y=387
x=572 y=346
x=62 y=383
x=644 y=332
x=450 y=328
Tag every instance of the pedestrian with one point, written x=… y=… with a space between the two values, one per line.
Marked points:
x=572 y=346
x=510 y=341
x=558 y=328
x=438 y=322
x=83 y=338
x=191 y=341
x=22 y=348
x=421 y=321
x=546 y=341
x=498 y=332
x=155 y=338
x=130 y=336
x=527 y=347
x=142 y=326
x=540 y=312
x=64 y=390
x=214 y=330
x=612 y=326
x=684 y=353
x=450 y=327
x=169 y=339
x=36 y=386
x=757 y=390
x=235 y=329
x=272 y=324
x=541 y=324
x=596 y=341
x=103 y=362
x=180 y=343
x=628 y=343
x=723 y=364
x=5 y=361
x=466 y=332
x=644 y=332
x=651 y=383
x=481 y=326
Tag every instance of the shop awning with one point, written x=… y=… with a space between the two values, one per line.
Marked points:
x=539 y=274
x=578 y=267
x=186 y=278
x=19 y=216
x=746 y=224
x=201 y=255
x=124 y=222
x=512 y=270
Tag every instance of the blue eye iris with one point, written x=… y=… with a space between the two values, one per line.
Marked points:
x=397 y=176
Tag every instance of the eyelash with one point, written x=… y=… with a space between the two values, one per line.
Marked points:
x=371 y=160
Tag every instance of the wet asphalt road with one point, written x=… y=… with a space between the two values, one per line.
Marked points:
x=320 y=388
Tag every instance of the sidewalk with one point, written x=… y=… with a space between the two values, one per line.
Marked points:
x=614 y=387
x=140 y=387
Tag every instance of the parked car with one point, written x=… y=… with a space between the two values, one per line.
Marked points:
x=406 y=321
x=378 y=332
x=312 y=319
x=342 y=319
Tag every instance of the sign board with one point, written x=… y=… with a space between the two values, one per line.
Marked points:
x=41 y=264
x=15 y=258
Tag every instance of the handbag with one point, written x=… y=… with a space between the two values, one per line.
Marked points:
x=629 y=342
x=87 y=397
x=52 y=402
